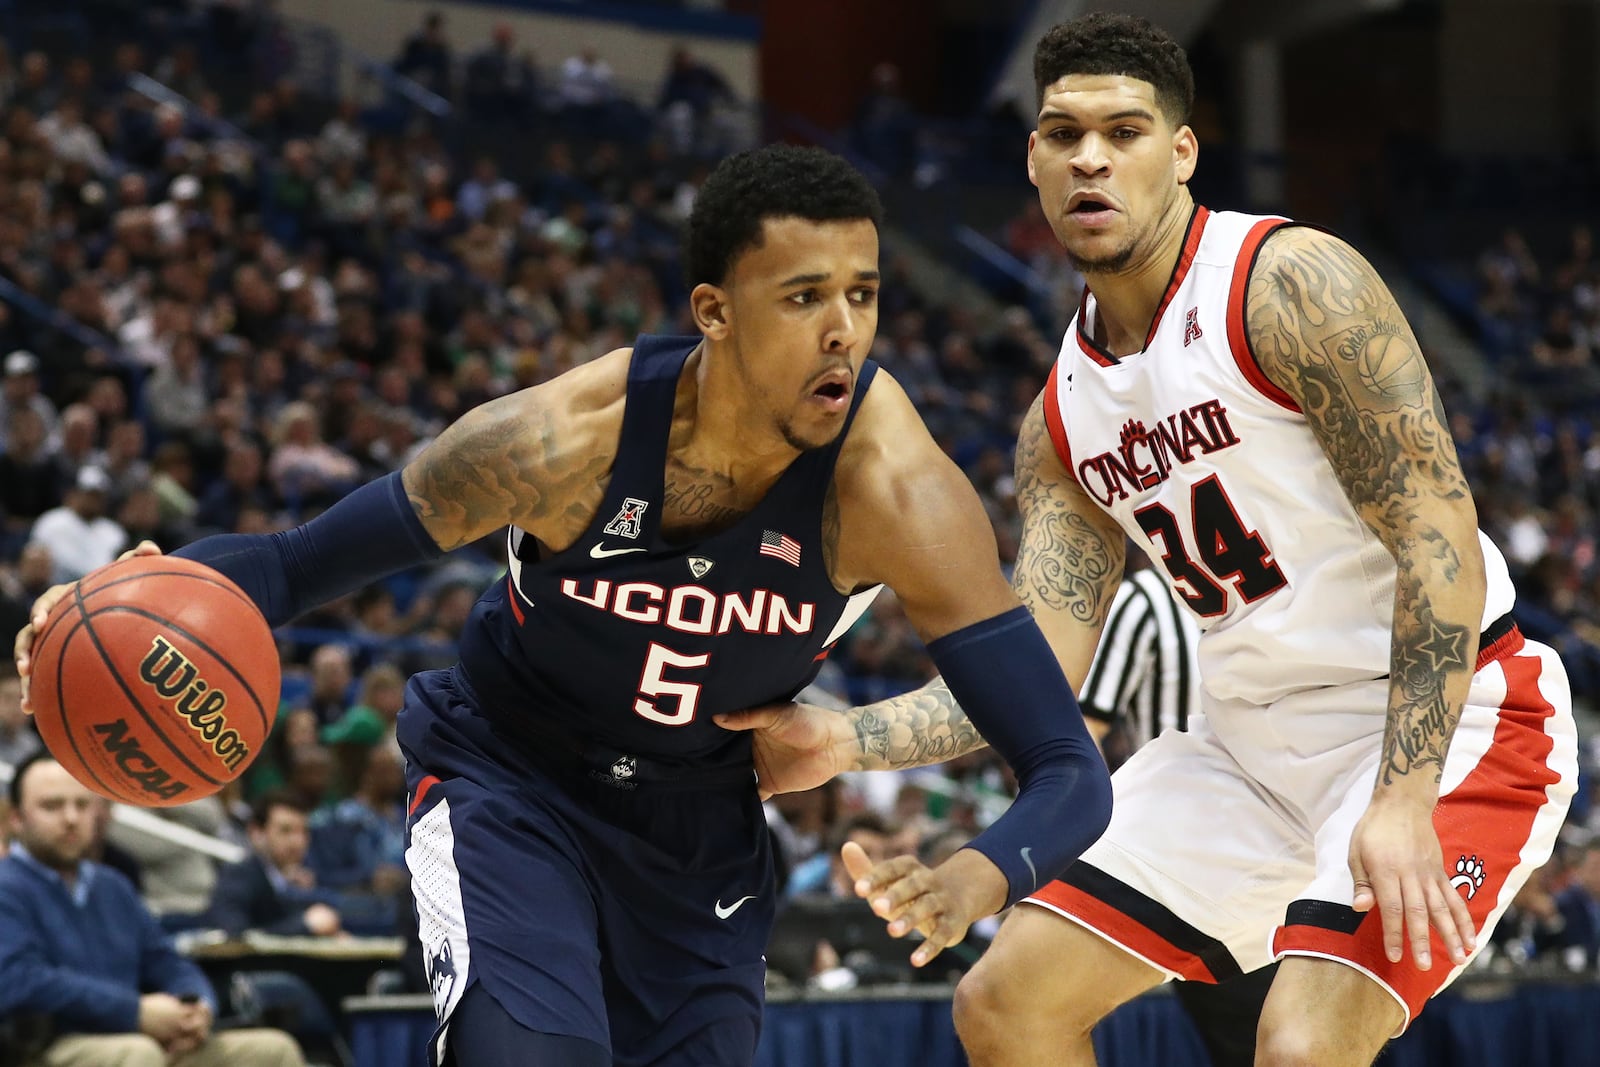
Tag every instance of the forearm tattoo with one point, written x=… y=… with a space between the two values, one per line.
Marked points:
x=1326 y=329
x=914 y=729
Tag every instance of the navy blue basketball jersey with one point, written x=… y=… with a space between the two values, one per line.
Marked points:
x=635 y=642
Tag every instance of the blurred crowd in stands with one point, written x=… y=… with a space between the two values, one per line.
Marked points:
x=220 y=314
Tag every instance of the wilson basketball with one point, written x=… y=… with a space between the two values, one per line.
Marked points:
x=155 y=682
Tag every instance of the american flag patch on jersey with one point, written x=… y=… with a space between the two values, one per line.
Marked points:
x=780 y=545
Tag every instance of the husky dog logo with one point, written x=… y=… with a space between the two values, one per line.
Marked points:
x=1468 y=876
x=626 y=521
x=624 y=768
x=441 y=974
x=699 y=566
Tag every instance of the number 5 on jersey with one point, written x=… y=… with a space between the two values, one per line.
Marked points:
x=653 y=684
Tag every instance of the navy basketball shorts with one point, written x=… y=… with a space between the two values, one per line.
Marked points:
x=635 y=919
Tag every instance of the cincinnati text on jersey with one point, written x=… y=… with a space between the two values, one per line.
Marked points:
x=1145 y=456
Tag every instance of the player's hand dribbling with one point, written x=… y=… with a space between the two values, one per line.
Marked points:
x=1399 y=869
x=41 y=610
x=938 y=903
x=796 y=746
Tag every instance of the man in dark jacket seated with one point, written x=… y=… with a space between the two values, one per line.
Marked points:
x=79 y=947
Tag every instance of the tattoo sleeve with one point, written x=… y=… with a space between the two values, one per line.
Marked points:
x=1325 y=328
x=1071 y=555
x=500 y=464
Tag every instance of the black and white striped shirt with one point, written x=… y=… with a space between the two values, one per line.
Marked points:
x=1145 y=671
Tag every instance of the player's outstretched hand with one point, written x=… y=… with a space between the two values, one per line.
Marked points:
x=939 y=903
x=797 y=746
x=1398 y=869
x=41 y=611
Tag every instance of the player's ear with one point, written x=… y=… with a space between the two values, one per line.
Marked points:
x=1185 y=153
x=710 y=306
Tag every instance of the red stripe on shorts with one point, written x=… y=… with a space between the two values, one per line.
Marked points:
x=1483 y=824
x=1127 y=932
x=427 y=783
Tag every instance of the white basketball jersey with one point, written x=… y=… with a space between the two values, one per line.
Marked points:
x=1213 y=470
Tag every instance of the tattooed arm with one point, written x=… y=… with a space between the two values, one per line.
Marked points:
x=1325 y=328
x=536 y=459
x=1069 y=564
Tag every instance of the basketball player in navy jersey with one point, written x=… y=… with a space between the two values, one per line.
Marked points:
x=693 y=523
x=1383 y=758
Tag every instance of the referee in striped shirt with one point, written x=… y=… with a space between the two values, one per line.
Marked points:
x=1145 y=679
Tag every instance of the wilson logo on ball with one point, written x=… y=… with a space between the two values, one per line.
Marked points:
x=171 y=674
x=135 y=762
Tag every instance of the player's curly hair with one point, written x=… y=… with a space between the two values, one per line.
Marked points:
x=1104 y=43
x=777 y=181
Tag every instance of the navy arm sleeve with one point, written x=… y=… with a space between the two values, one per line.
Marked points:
x=369 y=534
x=1005 y=677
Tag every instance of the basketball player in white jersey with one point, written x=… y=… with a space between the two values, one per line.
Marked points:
x=1384 y=759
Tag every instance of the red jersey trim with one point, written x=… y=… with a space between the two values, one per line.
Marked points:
x=1238 y=335
x=1180 y=270
x=1052 y=422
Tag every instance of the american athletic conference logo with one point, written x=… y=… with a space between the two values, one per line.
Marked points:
x=626 y=521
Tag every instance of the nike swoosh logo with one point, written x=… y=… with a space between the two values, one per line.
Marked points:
x=1027 y=857
x=602 y=552
x=723 y=913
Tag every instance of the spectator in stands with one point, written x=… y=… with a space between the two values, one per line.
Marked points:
x=1533 y=926
x=501 y=85
x=825 y=874
x=20 y=389
x=21 y=585
x=690 y=95
x=176 y=396
x=123 y=460
x=305 y=470
x=80 y=432
x=587 y=84
x=885 y=126
x=332 y=672
x=72 y=140
x=30 y=484
x=272 y=890
x=425 y=56
x=242 y=485
x=78 y=534
x=78 y=945
x=18 y=740
x=1579 y=904
x=359 y=845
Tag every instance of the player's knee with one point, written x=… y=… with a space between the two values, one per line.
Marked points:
x=1287 y=1042
x=990 y=999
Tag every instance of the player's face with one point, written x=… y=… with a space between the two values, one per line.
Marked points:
x=1108 y=165
x=56 y=820
x=801 y=312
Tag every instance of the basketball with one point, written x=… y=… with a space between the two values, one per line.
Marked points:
x=155 y=681
x=1390 y=364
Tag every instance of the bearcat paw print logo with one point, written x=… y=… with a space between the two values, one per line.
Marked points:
x=1469 y=875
